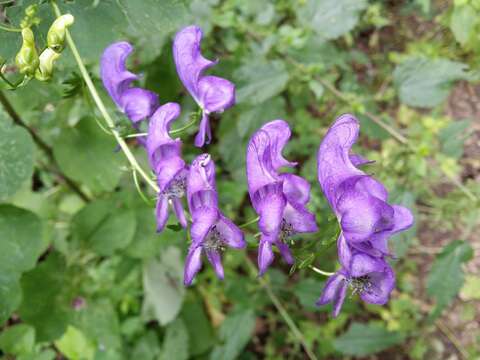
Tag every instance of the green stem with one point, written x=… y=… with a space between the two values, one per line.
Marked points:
x=10 y=29
x=317 y=270
x=101 y=107
x=253 y=221
x=183 y=128
x=283 y=312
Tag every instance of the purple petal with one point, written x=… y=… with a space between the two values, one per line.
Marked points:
x=296 y=189
x=363 y=264
x=216 y=261
x=204 y=134
x=216 y=94
x=203 y=220
x=230 y=232
x=344 y=252
x=334 y=164
x=178 y=208
x=137 y=103
x=334 y=292
x=201 y=185
x=285 y=251
x=193 y=264
x=382 y=284
x=161 y=213
x=359 y=160
x=302 y=220
x=270 y=204
x=265 y=255
x=279 y=134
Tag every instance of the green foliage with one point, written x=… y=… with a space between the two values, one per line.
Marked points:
x=17 y=154
x=365 y=339
x=446 y=276
x=18 y=340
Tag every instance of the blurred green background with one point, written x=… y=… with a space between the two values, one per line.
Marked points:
x=83 y=275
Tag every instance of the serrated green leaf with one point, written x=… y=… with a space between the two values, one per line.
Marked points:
x=261 y=81
x=163 y=287
x=366 y=339
x=446 y=276
x=46 y=298
x=17 y=154
x=331 y=18
x=426 y=83
x=235 y=333
x=17 y=340
x=87 y=154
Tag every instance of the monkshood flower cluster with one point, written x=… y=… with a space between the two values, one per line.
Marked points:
x=366 y=219
x=280 y=198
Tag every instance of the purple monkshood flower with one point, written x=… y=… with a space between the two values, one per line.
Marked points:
x=279 y=198
x=135 y=102
x=165 y=157
x=359 y=201
x=211 y=231
x=371 y=277
x=211 y=93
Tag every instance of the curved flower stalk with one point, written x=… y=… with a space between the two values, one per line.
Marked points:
x=280 y=199
x=211 y=231
x=211 y=93
x=136 y=103
x=366 y=219
x=165 y=157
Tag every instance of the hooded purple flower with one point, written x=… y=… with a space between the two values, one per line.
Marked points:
x=279 y=199
x=164 y=155
x=358 y=200
x=135 y=102
x=212 y=93
x=370 y=277
x=211 y=231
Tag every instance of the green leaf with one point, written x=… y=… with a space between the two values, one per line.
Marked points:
x=235 y=333
x=331 y=18
x=446 y=276
x=308 y=291
x=426 y=83
x=17 y=340
x=46 y=298
x=366 y=339
x=21 y=239
x=471 y=289
x=260 y=81
x=105 y=226
x=452 y=138
x=74 y=345
x=175 y=345
x=200 y=332
x=462 y=23
x=87 y=154
x=10 y=294
x=163 y=287
x=147 y=347
x=17 y=154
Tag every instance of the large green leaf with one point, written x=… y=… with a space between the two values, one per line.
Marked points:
x=163 y=287
x=426 y=83
x=10 y=294
x=446 y=276
x=260 y=81
x=175 y=345
x=331 y=18
x=200 y=332
x=17 y=153
x=463 y=22
x=21 y=239
x=105 y=226
x=308 y=291
x=47 y=298
x=75 y=345
x=235 y=333
x=17 y=340
x=87 y=154
x=365 y=339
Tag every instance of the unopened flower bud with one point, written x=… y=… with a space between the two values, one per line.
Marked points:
x=27 y=58
x=56 y=33
x=47 y=59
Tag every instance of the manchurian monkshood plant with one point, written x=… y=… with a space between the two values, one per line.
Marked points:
x=280 y=199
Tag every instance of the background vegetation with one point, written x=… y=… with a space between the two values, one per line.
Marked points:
x=83 y=275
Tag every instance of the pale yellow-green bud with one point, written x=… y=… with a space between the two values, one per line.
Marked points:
x=27 y=58
x=56 y=33
x=47 y=60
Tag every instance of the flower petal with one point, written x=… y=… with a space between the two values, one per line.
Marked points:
x=265 y=255
x=216 y=261
x=270 y=205
x=201 y=185
x=193 y=264
x=216 y=94
x=363 y=264
x=137 y=103
x=161 y=213
x=178 y=208
x=296 y=188
x=285 y=251
x=382 y=284
x=279 y=134
x=204 y=134
x=203 y=220
x=230 y=232
x=302 y=220
x=334 y=292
